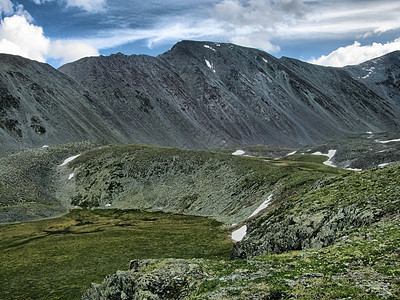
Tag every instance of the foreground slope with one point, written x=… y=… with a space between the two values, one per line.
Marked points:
x=337 y=230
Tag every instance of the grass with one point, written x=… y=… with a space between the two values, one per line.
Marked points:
x=59 y=258
x=369 y=189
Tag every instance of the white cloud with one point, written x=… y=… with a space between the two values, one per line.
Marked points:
x=6 y=7
x=268 y=21
x=254 y=39
x=254 y=23
x=356 y=54
x=163 y=33
x=88 y=5
x=20 y=11
x=70 y=51
x=258 y=12
x=343 y=19
x=18 y=37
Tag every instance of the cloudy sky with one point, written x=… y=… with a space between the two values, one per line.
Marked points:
x=328 y=32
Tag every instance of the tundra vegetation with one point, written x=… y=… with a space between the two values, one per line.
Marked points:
x=163 y=217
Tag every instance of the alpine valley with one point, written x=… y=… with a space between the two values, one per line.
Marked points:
x=212 y=171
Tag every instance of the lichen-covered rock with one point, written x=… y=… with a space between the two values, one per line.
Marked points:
x=319 y=218
x=150 y=279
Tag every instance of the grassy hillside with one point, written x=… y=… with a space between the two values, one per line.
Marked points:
x=347 y=221
x=29 y=180
x=223 y=186
x=33 y=185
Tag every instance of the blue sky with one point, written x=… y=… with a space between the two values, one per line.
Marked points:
x=328 y=32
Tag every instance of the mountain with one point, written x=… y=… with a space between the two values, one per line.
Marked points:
x=382 y=75
x=277 y=100
x=204 y=94
x=144 y=99
x=40 y=106
x=198 y=95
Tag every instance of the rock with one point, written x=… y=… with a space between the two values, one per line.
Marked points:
x=150 y=279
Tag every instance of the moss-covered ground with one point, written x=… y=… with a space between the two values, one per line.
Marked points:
x=59 y=258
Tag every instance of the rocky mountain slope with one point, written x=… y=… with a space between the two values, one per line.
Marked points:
x=206 y=95
x=198 y=95
x=382 y=75
x=40 y=105
x=279 y=101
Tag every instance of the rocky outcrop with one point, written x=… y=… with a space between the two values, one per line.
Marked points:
x=310 y=230
x=150 y=279
x=321 y=217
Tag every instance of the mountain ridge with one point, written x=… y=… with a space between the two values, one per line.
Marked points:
x=198 y=95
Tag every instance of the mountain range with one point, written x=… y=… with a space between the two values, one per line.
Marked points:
x=198 y=95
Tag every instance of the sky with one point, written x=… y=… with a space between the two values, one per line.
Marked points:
x=325 y=32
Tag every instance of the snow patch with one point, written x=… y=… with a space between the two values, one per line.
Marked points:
x=369 y=132
x=209 y=47
x=265 y=60
x=108 y=205
x=383 y=165
x=370 y=71
x=71 y=176
x=388 y=141
x=238 y=152
x=331 y=153
x=262 y=206
x=351 y=169
x=45 y=146
x=239 y=234
x=210 y=65
x=291 y=153
x=69 y=159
